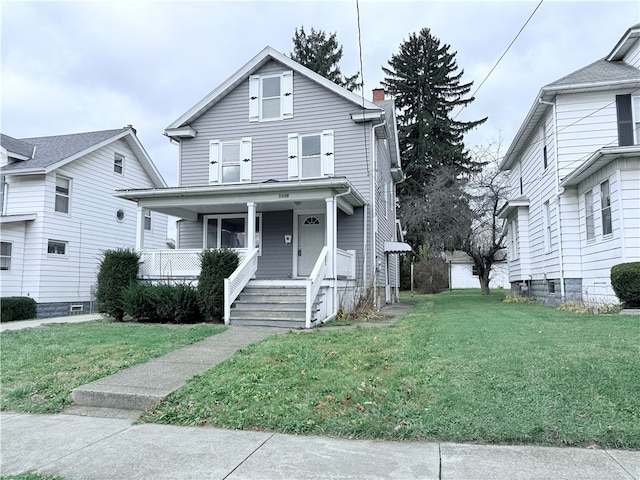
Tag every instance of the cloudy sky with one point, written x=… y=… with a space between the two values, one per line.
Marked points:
x=79 y=66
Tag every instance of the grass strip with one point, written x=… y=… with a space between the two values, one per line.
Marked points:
x=458 y=367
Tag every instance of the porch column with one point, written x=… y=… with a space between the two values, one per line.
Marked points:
x=331 y=236
x=251 y=225
x=140 y=229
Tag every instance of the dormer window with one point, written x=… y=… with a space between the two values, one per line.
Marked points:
x=118 y=163
x=271 y=97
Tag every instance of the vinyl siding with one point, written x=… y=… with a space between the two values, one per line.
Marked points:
x=315 y=109
x=11 y=280
x=89 y=228
x=633 y=56
x=277 y=258
x=351 y=236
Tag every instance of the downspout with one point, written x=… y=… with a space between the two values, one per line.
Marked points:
x=374 y=213
x=335 y=248
x=559 y=193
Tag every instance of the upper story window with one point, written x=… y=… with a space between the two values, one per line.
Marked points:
x=5 y=255
x=605 y=207
x=63 y=188
x=588 y=215
x=230 y=161
x=4 y=187
x=271 y=97
x=628 y=118
x=311 y=156
x=56 y=247
x=543 y=143
x=118 y=163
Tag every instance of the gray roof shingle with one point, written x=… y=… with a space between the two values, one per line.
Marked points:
x=15 y=146
x=50 y=150
x=599 y=71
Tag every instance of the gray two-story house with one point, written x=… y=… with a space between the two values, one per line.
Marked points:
x=299 y=176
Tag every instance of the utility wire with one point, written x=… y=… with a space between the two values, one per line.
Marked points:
x=502 y=56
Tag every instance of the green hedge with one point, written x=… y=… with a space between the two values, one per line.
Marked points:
x=118 y=270
x=17 y=308
x=625 y=280
x=163 y=303
x=216 y=266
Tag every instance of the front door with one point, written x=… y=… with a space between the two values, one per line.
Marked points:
x=311 y=240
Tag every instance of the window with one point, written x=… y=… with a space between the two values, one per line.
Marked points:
x=62 y=194
x=521 y=185
x=515 y=248
x=588 y=215
x=624 y=112
x=56 y=247
x=118 y=163
x=271 y=97
x=605 y=207
x=228 y=231
x=636 y=119
x=474 y=270
x=5 y=255
x=546 y=220
x=543 y=141
x=311 y=155
x=147 y=219
x=120 y=216
x=551 y=286
x=230 y=161
x=4 y=187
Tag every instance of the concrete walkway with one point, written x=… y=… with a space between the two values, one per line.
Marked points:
x=102 y=443
x=19 y=325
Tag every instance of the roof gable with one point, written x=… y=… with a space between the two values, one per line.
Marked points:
x=56 y=151
x=15 y=148
x=252 y=66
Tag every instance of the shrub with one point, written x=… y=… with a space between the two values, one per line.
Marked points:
x=216 y=266
x=17 y=308
x=139 y=301
x=516 y=299
x=162 y=303
x=625 y=280
x=118 y=269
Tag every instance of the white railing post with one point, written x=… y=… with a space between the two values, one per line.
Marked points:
x=238 y=280
x=315 y=281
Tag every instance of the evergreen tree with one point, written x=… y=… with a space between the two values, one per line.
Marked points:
x=322 y=53
x=424 y=80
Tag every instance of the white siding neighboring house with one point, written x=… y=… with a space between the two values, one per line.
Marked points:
x=575 y=201
x=299 y=176
x=59 y=213
x=462 y=273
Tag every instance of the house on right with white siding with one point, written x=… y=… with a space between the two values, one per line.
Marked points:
x=574 y=206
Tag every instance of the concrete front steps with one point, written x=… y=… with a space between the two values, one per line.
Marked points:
x=279 y=304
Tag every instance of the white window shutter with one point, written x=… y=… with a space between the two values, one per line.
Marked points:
x=254 y=98
x=327 y=153
x=293 y=155
x=245 y=160
x=287 y=94
x=214 y=161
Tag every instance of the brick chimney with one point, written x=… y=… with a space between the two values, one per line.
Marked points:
x=378 y=94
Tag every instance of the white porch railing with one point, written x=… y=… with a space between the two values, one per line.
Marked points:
x=238 y=280
x=314 y=283
x=345 y=263
x=173 y=264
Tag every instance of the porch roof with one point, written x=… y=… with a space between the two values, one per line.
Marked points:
x=189 y=202
x=598 y=160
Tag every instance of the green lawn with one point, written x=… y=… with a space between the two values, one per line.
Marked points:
x=458 y=367
x=40 y=366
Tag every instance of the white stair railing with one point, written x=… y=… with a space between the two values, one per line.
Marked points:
x=238 y=280
x=314 y=283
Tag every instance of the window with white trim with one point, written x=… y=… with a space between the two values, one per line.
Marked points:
x=515 y=248
x=543 y=143
x=271 y=97
x=56 y=247
x=4 y=189
x=5 y=255
x=147 y=219
x=588 y=215
x=63 y=189
x=229 y=231
x=311 y=155
x=636 y=118
x=605 y=208
x=230 y=161
x=546 y=219
x=118 y=163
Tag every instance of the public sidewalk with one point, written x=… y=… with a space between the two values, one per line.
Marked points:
x=88 y=448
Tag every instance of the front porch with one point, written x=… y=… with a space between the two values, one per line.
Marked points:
x=300 y=236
